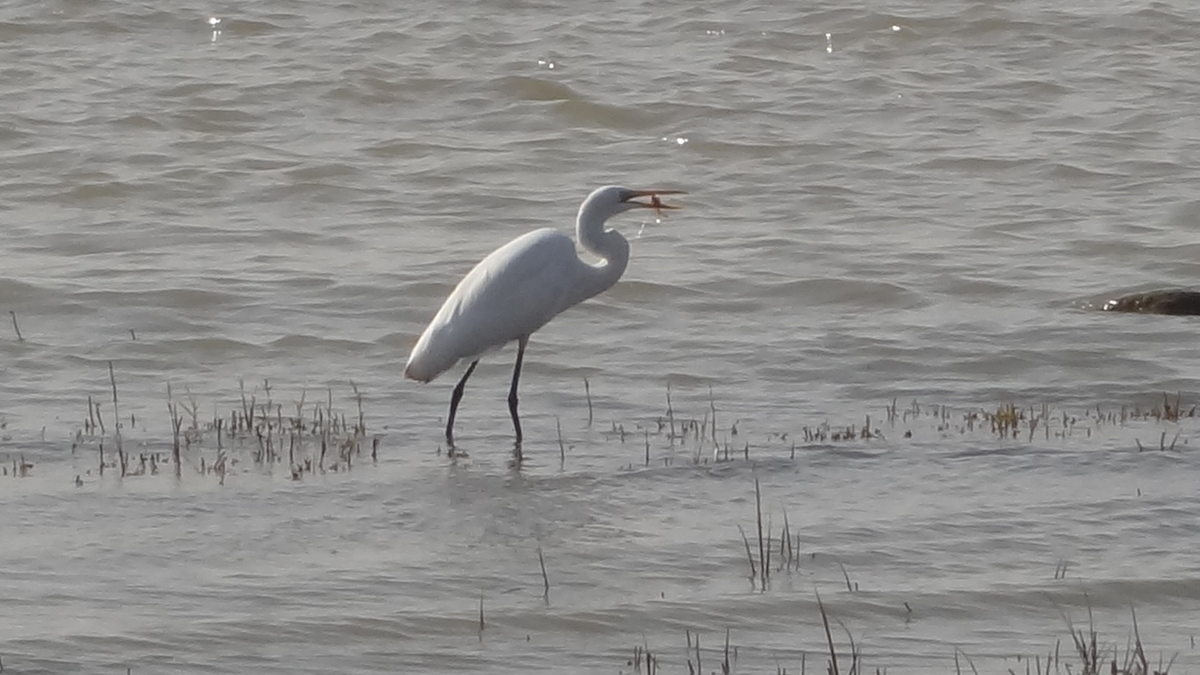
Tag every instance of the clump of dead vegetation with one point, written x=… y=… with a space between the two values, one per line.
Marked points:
x=259 y=432
x=710 y=435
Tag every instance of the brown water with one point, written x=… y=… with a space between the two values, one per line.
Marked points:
x=917 y=202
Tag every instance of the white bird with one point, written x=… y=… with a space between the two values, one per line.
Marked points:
x=520 y=286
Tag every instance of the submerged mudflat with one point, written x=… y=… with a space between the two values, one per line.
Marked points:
x=922 y=532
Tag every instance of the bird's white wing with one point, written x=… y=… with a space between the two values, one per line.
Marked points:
x=510 y=294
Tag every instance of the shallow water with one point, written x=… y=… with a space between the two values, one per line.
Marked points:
x=914 y=205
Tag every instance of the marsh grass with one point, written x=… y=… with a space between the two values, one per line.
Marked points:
x=786 y=550
x=696 y=667
x=258 y=433
x=726 y=655
x=305 y=437
x=679 y=437
x=643 y=661
x=1094 y=657
x=844 y=655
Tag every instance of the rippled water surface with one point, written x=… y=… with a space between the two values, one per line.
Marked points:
x=900 y=218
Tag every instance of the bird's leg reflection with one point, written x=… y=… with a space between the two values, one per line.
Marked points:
x=512 y=393
x=454 y=399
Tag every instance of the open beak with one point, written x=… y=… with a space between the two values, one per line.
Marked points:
x=655 y=203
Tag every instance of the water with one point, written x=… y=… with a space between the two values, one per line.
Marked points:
x=917 y=202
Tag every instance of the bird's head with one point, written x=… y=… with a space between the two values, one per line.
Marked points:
x=613 y=199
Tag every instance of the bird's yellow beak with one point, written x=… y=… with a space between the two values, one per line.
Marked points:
x=655 y=203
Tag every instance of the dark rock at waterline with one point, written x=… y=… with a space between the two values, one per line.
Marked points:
x=1175 y=301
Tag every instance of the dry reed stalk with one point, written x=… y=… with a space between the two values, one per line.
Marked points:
x=833 y=664
x=1138 y=652
x=749 y=556
x=670 y=416
x=545 y=577
x=855 y=654
x=725 y=666
x=361 y=429
x=785 y=543
x=1060 y=570
x=562 y=451
x=642 y=654
x=238 y=422
x=299 y=419
x=846 y=575
x=762 y=560
x=767 y=558
x=712 y=406
x=16 y=328
x=957 y=669
x=176 y=424
x=587 y=390
x=112 y=378
x=1086 y=646
x=193 y=409
x=331 y=416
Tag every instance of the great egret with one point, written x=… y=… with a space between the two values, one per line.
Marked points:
x=520 y=286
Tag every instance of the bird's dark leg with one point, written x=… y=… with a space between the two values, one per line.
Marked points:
x=512 y=393
x=454 y=399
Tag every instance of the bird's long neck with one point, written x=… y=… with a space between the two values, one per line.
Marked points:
x=607 y=244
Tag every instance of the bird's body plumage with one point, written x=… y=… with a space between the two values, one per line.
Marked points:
x=520 y=287
x=511 y=293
